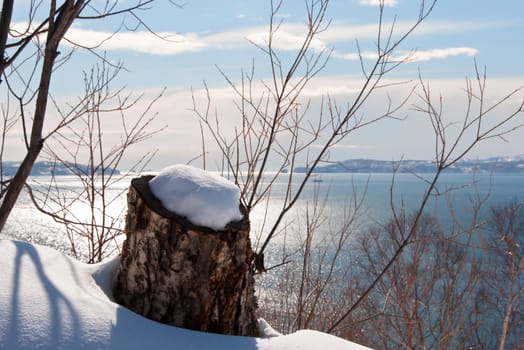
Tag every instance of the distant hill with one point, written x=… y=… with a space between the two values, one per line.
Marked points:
x=45 y=168
x=496 y=164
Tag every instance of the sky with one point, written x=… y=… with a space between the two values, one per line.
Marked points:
x=209 y=42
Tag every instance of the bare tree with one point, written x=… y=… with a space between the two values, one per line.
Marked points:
x=426 y=299
x=85 y=141
x=275 y=128
x=453 y=287
x=314 y=268
x=479 y=124
x=504 y=285
x=36 y=47
x=57 y=24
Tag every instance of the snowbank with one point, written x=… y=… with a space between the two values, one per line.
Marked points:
x=50 y=301
x=206 y=199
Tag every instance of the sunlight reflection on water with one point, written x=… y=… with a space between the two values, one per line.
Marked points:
x=26 y=223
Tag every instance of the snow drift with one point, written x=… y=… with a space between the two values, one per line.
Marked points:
x=206 y=199
x=50 y=301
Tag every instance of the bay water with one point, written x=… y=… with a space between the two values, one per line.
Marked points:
x=455 y=193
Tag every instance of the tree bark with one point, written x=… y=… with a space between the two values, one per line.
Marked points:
x=185 y=275
x=5 y=23
x=56 y=31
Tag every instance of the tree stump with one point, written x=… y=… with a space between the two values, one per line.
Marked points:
x=185 y=275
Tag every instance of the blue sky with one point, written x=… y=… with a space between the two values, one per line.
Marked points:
x=207 y=34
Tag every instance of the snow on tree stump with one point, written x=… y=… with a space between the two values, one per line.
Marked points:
x=182 y=274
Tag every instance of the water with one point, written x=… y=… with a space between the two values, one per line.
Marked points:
x=381 y=193
x=459 y=192
x=457 y=200
x=29 y=224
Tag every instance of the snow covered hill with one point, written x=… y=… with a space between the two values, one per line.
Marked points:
x=50 y=301
x=510 y=165
x=46 y=168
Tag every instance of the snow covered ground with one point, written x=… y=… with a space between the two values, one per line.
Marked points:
x=50 y=301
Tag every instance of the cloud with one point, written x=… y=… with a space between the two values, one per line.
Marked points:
x=139 y=41
x=162 y=43
x=339 y=146
x=427 y=55
x=341 y=32
x=390 y=3
x=366 y=55
x=288 y=37
x=413 y=56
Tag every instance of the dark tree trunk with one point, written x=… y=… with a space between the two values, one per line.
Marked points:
x=55 y=33
x=189 y=276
